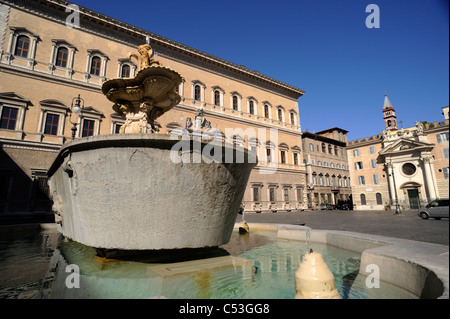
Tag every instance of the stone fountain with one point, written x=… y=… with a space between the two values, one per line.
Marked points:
x=141 y=190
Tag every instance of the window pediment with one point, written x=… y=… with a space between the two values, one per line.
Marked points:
x=92 y=111
x=93 y=52
x=21 y=30
x=61 y=42
x=12 y=96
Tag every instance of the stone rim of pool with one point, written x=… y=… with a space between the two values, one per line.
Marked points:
x=419 y=267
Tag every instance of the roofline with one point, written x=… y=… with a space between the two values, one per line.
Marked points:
x=176 y=46
x=332 y=129
x=322 y=138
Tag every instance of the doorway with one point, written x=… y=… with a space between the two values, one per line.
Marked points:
x=413 y=195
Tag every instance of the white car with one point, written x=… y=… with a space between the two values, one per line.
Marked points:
x=437 y=209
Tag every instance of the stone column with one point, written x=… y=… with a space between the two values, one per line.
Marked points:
x=390 y=174
x=309 y=169
x=431 y=192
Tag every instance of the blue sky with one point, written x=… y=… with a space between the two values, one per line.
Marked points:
x=322 y=47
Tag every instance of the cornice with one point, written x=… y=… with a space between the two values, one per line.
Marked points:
x=29 y=145
x=42 y=76
x=139 y=34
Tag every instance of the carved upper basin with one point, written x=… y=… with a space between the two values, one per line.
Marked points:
x=154 y=83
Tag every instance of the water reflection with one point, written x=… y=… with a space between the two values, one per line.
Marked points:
x=25 y=253
x=33 y=263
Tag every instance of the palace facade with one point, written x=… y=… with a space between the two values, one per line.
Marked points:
x=407 y=167
x=327 y=172
x=48 y=66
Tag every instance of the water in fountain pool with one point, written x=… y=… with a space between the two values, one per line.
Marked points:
x=264 y=267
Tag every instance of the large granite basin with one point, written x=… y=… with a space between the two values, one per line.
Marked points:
x=126 y=192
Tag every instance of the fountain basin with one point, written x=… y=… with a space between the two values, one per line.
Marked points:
x=418 y=267
x=126 y=192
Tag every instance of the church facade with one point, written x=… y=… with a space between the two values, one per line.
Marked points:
x=404 y=168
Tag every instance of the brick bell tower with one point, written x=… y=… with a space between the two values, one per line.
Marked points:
x=390 y=120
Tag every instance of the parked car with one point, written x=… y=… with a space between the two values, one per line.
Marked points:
x=331 y=207
x=437 y=209
x=343 y=206
x=323 y=206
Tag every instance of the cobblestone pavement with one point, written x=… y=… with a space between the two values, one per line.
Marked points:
x=408 y=225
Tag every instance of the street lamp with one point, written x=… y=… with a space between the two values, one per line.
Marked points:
x=76 y=106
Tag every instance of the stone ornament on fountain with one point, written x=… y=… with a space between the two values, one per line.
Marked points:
x=147 y=96
x=314 y=280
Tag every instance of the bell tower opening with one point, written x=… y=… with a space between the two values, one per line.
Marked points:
x=390 y=119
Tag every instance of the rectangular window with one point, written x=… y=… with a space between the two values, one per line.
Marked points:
x=22 y=46
x=9 y=118
x=256 y=194
x=283 y=157
x=327 y=179
x=61 y=57
x=51 y=124
x=355 y=153
x=376 y=179
x=311 y=147
x=320 y=180
x=314 y=180
x=445 y=172
x=269 y=156
x=299 y=195
x=286 y=194
x=446 y=152
x=374 y=162
x=358 y=166
x=372 y=150
x=117 y=128
x=96 y=63
x=272 y=197
x=88 y=128
x=295 y=159
x=361 y=180
x=442 y=137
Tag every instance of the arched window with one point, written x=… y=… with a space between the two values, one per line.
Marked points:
x=266 y=111
x=389 y=123
x=62 y=56
x=324 y=148
x=217 y=97
x=280 y=115
x=125 y=71
x=197 y=92
x=251 y=107
x=379 y=199
x=330 y=149
x=96 y=63
x=292 y=118
x=363 y=199
x=335 y=150
x=235 y=103
x=22 y=46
